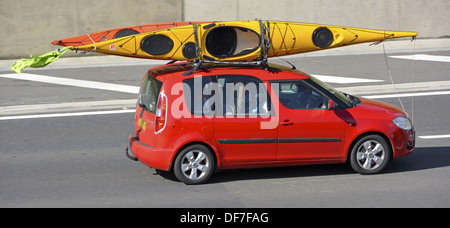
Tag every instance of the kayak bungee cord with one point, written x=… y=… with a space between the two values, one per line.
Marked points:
x=390 y=76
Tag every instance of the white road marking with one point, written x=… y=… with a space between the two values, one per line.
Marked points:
x=424 y=57
x=135 y=89
x=370 y=91
x=38 y=116
x=407 y=95
x=434 y=136
x=344 y=80
x=82 y=106
x=399 y=87
x=74 y=82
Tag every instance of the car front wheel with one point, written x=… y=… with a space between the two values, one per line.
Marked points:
x=370 y=154
x=194 y=165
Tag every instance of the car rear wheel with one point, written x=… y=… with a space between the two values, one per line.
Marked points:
x=370 y=155
x=194 y=165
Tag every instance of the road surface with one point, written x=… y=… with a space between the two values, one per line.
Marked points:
x=62 y=141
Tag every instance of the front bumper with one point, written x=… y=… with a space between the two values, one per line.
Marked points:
x=404 y=142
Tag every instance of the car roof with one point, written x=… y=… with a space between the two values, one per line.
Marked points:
x=186 y=69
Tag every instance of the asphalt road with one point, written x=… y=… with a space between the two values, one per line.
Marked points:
x=79 y=161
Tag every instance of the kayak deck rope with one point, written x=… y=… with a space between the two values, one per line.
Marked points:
x=84 y=52
x=95 y=45
x=390 y=76
x=412 y=77
x=413 y=70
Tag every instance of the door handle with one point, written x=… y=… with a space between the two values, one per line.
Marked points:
x=287 y=123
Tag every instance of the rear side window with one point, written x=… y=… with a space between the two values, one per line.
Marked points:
x=196 y=97
x=227 y=95
x=148 y=96
x=243 y=96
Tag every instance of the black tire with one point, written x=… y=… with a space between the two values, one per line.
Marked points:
x=194 y=165
x=370 y=154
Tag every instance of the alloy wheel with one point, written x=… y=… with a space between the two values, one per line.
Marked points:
x=195 y=165
x=370 y=155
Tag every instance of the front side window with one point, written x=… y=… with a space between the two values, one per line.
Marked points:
x=148 y=95
x=297 y=95
x=327 y=87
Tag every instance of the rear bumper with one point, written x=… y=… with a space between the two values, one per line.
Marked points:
x=148 y=155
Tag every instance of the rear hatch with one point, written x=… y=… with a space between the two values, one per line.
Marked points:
x=147 y=110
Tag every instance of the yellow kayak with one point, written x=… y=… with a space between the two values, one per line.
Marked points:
x=238 y=40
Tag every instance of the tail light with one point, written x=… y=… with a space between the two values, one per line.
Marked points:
x=161 y=113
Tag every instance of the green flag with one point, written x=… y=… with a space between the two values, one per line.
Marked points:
x=39 y=61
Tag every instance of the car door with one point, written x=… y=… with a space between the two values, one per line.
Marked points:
x=308 y=130
x=243 y=106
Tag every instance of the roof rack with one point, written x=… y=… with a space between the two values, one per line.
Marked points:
x=261 y=62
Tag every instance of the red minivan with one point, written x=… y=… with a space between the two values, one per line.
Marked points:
x=195 y=121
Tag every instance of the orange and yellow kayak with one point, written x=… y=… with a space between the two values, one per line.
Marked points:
x=237 y=40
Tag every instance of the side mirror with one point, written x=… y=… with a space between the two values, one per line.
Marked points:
x=331 y=104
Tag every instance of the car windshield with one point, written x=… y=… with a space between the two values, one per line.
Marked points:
x=339 y=94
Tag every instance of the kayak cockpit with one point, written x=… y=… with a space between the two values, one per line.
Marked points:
x=227 y=41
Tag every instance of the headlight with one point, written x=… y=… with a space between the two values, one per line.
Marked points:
x=403 y=123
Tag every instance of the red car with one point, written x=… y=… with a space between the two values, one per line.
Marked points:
x=194 y=122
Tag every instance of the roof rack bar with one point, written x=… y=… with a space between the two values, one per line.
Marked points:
x=260 y=64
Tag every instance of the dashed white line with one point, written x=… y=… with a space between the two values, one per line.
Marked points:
x=82 y=106
x=344 y=80
x=407 y=95
x=73 y=82
x=423 y=57
x=135 y=89
x=434 y=136
x=39 y=116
